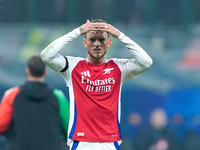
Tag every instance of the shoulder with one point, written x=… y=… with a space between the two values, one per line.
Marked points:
x=12 y=91
x=59 y=94
x=71 y=58
x=10 y=95
x=120 y=60
x=73 y=61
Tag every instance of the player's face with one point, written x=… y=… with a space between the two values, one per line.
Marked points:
x=97 y=43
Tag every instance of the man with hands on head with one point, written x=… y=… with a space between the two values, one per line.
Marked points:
x=95 y=83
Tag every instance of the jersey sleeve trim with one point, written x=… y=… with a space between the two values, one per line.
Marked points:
x=66 y=66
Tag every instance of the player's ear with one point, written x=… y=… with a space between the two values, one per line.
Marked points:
x=45 y=72
x=84 y=43
x=27 y=72
x=109 y=42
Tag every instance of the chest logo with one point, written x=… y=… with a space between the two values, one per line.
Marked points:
x=86 y=73
x=108 y=70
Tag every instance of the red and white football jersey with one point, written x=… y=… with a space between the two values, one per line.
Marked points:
x=94 y=94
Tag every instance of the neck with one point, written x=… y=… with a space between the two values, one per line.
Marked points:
x=38 y=79
x=96 y=61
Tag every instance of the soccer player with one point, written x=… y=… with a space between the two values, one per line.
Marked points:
x=34 y=116
x=95 y=83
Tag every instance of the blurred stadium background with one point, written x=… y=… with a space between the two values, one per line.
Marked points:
x=169 y=30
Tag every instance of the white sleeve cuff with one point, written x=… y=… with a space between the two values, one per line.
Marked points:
x=121 y=36
x=77 y=32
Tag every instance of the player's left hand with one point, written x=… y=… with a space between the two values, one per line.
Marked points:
x=107 y=28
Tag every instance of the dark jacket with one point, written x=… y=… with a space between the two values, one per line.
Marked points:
x=36 y=120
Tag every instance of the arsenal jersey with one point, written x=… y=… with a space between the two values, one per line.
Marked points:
x=95 y=95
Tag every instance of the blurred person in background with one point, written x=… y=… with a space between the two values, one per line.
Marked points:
x=157 y=136
x=136 y=122
x=95 y=83
x=191 y=141
x=34 y=116
x=178 y=125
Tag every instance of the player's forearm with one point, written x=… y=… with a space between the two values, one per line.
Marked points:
x=138 y=53
x=51 y=52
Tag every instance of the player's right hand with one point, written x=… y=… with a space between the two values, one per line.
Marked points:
x=88 y=26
